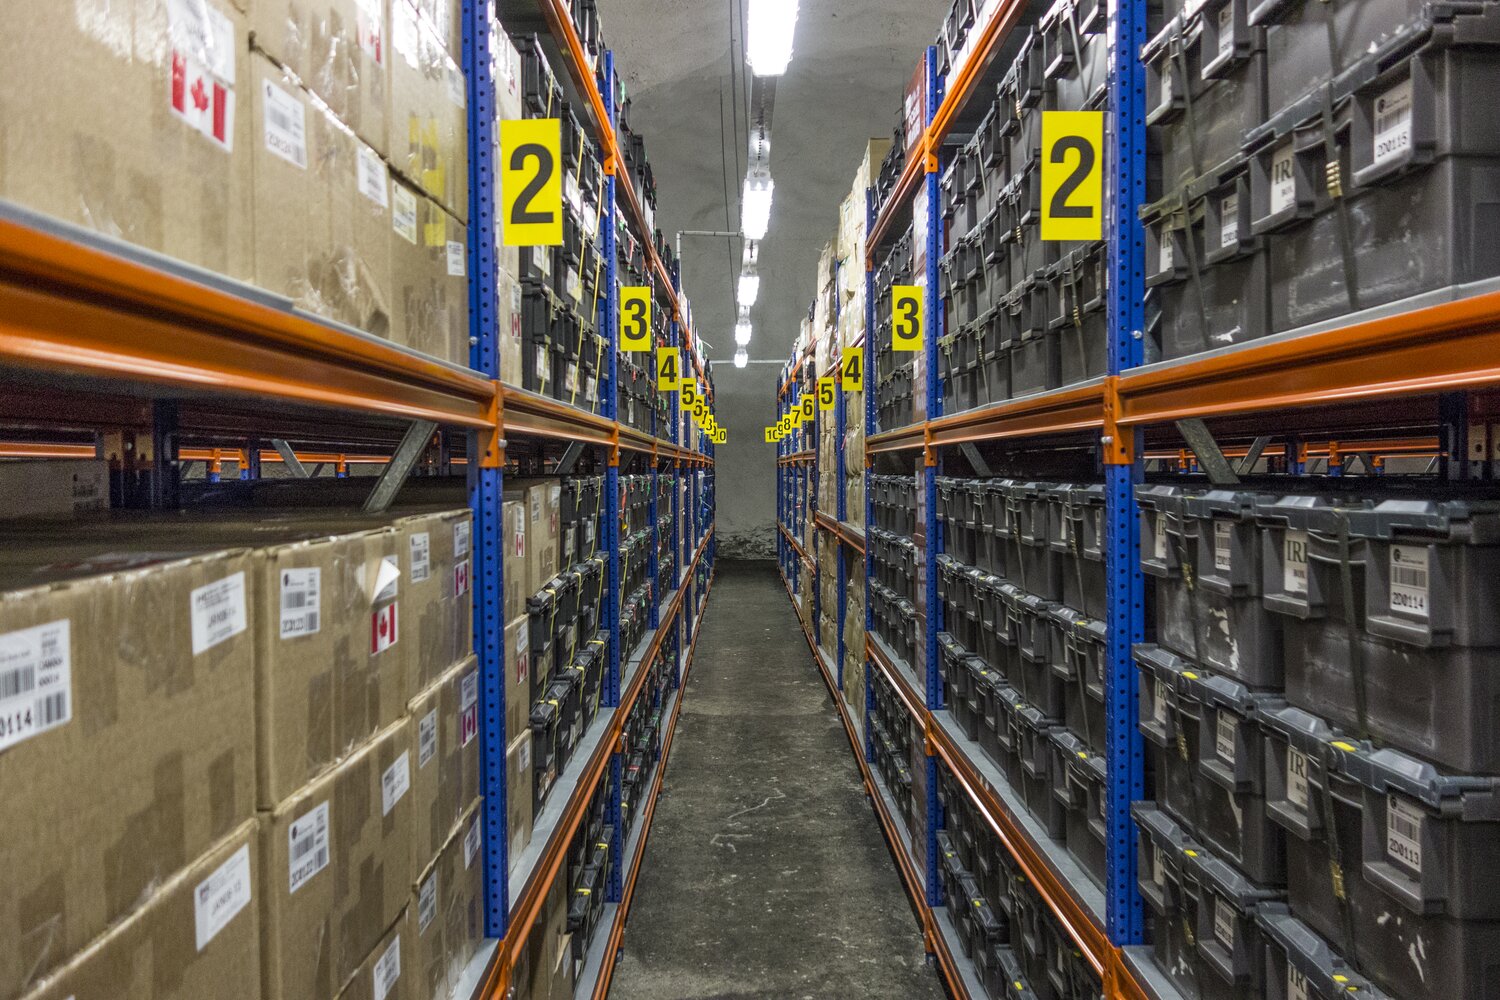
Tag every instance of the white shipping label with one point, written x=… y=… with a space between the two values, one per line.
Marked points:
x=1226 y=736
x=1159 y=702
x=457 y=90
x=1224 y=921
x=572 y=192
x=395 y=783
x=457 y=262
x=421 y=557
x=1229 y=220
x=221 y=896
x=1296 y=778
x=285 y=125
x=574 y=284
x=427 y=739
x=468 y=708
x=218 y=612
x=1159 y=536
x=1393 y=122
x=386 y=579
x=388 y=969
x=1166 y=84
x=374 y=181
x=1283 y=179
x=1403 y=832
x=1226 y=30
x=427 y=899
x=1158 y=866
x=461 y=579
x=471 y=844
x=301 y=591
x=523 y=654
x=1294 y=562
x=1222 y=536
x=1409 y=573
x=1296 y=984
x=404 y=215
x=307 y=846
x=36 y=681
x=461 y=540
x=1167 y=257
x=203 y=72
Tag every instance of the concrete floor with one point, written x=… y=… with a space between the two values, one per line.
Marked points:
x=766 y=875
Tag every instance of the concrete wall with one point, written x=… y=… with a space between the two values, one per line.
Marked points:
x=850 y=63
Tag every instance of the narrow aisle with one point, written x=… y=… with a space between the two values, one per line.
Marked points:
x=766 y=875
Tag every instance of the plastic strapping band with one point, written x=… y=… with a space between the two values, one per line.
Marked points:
x=1351 y=629
x=1333 y=180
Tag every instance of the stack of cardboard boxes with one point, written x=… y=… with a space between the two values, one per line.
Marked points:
x=246 y=756
x=317 y=149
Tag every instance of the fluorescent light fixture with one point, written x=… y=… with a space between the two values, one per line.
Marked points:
x=741 y=359
x=768 y=42
x=749 y=288
x=742 y=332
x=755 y=206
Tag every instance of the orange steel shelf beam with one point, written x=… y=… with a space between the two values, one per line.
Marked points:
x=795 y=544
x=795 y=457
x=832 y=526
x=70 y=308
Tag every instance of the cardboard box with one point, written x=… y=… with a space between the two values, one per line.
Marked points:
x=446 y=17
x=198 y=935
x=53 y=488
x=445 y=915
x=444 y=758
x=429 y=275
x=93 y=131
x=509 y=105
x=549 y=950
x=437 y=550
x=508 y=325
x=428 y=112
x=543 y=499
x=520 y=778
x=339 y=49
x=129 y=743
x=337 y=869
x=514 y=568
x=518 y=681
x=322 y=206
x=386 y=973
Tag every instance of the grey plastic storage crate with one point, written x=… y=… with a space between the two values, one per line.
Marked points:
x=1213 y=612
x=1388 y=628
x=1206 y=748
x=1030 y=625
x=1410 y=207
x=1076 y=534
x=1079 y=783
x=1078 y=654
x=1031 y=562
x=1205 y=88
x=1009 y=981
x=1416 y=857
x=1296 y=963
x=1206 y=937
x=1210 y=273
x=1077 y=315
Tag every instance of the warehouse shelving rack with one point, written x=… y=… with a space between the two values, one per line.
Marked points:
x=1423 y=381
x=113 y=352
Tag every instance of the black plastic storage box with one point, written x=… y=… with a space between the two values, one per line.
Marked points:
x=1077 y=317
x=1415 y=861
x=1079 y=782
x=1030 y=625
x=1076 y=534
x=1078 y=657
x=1297 y=963
x=1163 y=851
x=1031 y=562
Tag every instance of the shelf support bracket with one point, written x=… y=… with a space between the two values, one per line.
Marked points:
x=413 y=444
x=1210 y=456
x=1257 y=447
x=289 y=458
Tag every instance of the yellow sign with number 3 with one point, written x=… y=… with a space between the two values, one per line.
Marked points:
x=906 y=317
x=635 y=318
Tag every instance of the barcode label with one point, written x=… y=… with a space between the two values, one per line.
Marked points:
x=1226 y=29
x=427 y=899
x=218 y=612
x=300 y=601
x=374 y=182
x=471 y=843
x=395 y=783
x=220 y=897
x=1222 y=536
x=1403 y=833
x=388 y=969
x=427 y=739
x=461 y=540
x=307 y=847
x=404 y=215
x=1226 y=736
x=1229 y=220
x=1224 y=921
x=1159 y=536
x=285 y=125
x=1409 y=579
x=36 y=681
x=1283 y=179
x=457 y=263
x=1294 y=563
x=1296 y=777
x=523 y=654
x=1296 y=984
x=1392 y=122
x=456 y=88
x=421 y=557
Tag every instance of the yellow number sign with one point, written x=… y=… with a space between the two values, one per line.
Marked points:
x=531 y=189
x=1072 y=177
x=854 y=369
x=666 y=369
x=687 y=394
x=826 y=393
x=906 y=317
x=635 y=318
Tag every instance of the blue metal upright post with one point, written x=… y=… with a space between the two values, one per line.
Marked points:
x=486 y=487
x=840 y=502
x=929 y=475
x=1124 y=592
x=871 y=364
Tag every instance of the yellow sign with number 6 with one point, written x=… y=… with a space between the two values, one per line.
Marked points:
x=906 y=318
x=809 y=406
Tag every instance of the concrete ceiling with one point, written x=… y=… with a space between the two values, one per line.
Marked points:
x=682 y=65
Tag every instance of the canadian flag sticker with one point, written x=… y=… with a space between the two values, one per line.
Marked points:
x=202 y=83
x=383 y=628
x=461 y=579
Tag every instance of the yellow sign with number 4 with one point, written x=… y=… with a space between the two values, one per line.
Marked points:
x=854 y=369
x=667 y=378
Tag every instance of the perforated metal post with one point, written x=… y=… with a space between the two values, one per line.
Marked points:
x=869 y=418
x=929 y=473
x=1124 y=587
x=486 y=485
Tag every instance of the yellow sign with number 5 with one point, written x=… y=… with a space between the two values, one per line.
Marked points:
x=826 y=393
x=687 y=394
